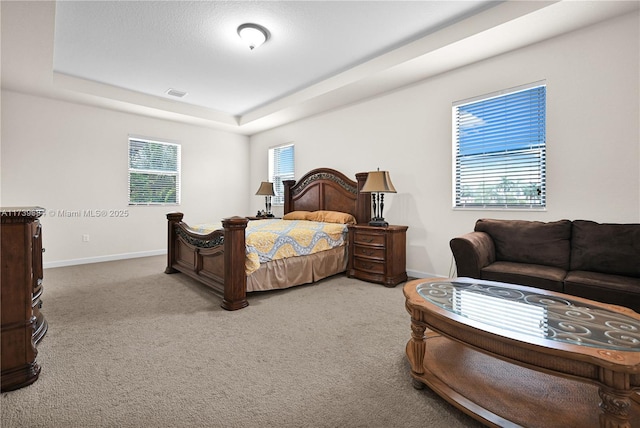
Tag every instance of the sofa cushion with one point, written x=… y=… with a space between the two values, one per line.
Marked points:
x=606 y=248
x=602 y=287
x=533 y=242
x=545 y=277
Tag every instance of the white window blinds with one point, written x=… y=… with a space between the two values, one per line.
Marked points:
x=281 y=167
x=500 y=150
x=154 y=172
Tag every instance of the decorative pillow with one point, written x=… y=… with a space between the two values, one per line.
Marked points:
x=332 y=217
x=297 y=215
x=535 y=242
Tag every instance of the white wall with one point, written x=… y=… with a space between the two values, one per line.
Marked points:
x=65 y=156
x=593 y=141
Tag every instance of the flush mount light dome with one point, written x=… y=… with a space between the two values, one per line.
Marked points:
x=253 y=34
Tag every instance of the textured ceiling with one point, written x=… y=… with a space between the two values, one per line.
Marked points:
x=150 y=46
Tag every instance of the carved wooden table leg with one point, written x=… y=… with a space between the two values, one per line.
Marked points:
x=416 y=348
x=616 y=399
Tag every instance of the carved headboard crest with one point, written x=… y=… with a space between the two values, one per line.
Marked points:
x=324 y=176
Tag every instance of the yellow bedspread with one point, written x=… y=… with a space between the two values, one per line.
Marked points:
x=273 y=239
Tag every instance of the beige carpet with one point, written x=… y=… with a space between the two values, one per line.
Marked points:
x=129 y=346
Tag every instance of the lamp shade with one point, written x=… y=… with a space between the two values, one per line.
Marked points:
x=378 y=181
x=266 y=189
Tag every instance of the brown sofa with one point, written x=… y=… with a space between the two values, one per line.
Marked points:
x=583 y=258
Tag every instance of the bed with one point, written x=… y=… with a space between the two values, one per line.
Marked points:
x=218 y=259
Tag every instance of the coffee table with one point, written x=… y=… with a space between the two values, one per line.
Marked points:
x=510 y=355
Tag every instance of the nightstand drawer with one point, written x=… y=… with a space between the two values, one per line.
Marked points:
x=368 y=251
x=372 y=266
x=368 y=238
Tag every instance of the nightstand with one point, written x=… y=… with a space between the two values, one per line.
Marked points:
x=378 y=254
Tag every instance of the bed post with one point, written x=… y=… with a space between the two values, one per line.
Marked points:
x=235 y=276
x=364 y=200
x=173 y=218
x=288 y=198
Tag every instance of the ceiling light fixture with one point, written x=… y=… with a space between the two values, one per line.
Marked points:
x=253 y=34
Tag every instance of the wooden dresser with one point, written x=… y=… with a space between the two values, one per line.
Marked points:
x=22 y=323
x=378 y=254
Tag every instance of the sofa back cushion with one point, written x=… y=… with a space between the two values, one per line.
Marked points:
x=530 y=241
x=606 y=248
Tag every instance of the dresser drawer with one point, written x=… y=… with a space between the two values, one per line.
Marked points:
x=369 y=251
x=369 y=238
x=372 y=266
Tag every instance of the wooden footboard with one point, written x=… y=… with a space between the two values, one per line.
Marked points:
x=216 y=259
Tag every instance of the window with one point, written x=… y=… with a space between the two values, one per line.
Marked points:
x=280 y=169
x=154 y=172
x=500 y=149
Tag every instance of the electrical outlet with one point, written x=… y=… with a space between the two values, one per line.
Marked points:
x=85 y=238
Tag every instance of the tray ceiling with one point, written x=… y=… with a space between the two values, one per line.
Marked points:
x=126 y=55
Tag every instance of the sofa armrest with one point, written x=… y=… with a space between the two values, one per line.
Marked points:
x=472 y=252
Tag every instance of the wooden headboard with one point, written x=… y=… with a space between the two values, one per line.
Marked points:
x=328 y=189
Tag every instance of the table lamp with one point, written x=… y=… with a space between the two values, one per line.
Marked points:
x=378 y=183
x=266 y=190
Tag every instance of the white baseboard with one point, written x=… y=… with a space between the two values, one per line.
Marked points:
x=418 y=274
x=99 y=259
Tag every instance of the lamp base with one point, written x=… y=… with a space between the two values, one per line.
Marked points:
x=378 y=222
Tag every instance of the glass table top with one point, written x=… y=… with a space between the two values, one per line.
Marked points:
x=535 y=314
